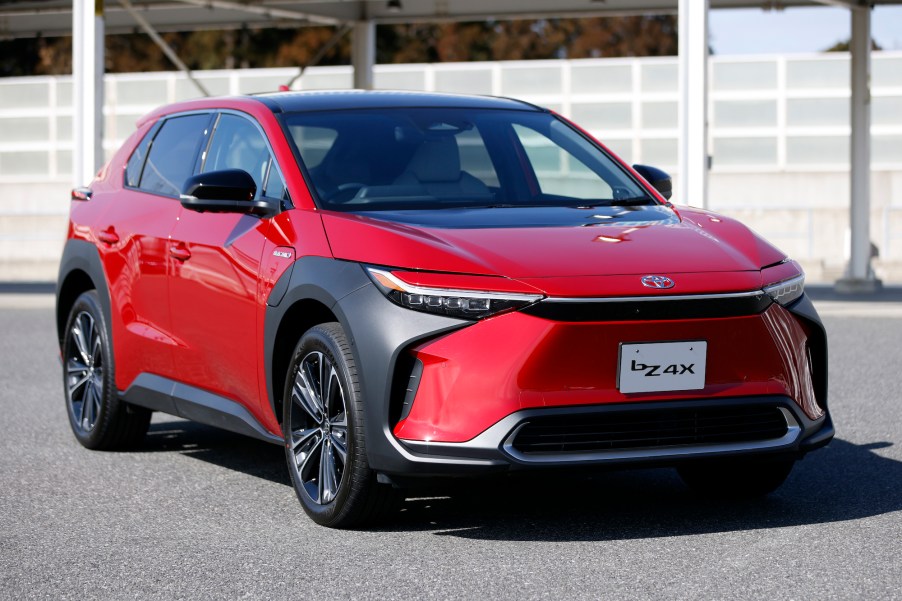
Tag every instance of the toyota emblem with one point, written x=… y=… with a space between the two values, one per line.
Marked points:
x=657 y=281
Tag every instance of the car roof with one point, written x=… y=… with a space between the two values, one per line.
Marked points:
x=330 y=100
x=322 y=100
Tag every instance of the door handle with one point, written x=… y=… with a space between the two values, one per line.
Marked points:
x=180 y=251
x=108 y=236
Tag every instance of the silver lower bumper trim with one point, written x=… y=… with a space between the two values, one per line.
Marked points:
x=500 y=437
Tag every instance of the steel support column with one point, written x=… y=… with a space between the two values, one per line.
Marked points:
x=87 y=89
x=363 y=54
x=859 y=276
x=693 y=67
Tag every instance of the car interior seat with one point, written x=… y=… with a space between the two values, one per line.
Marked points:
x=435 y=166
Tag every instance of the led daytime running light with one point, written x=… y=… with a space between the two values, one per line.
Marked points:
x=467 y=304
x=787 y=291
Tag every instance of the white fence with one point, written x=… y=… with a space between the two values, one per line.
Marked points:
x=779 y=136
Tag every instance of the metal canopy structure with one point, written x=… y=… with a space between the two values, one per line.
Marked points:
x=25 y=18
x=89 y=20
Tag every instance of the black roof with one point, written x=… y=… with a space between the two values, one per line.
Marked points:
x=363 y=99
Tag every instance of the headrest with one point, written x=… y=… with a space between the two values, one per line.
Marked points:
x=436 y=160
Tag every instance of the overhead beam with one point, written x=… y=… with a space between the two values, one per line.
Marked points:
x=842 y=3
x=270 y=12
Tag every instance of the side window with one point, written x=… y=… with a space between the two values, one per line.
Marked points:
x=474 y=157
x=560 y=172
x=313 y=142
x=171 y=158
x=238 y=144
x=136 y=161
x=275 y=184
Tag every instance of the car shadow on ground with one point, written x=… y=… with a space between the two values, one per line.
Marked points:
x=842 y=482
x=218 y=447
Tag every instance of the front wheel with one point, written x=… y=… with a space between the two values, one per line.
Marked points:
x=325 y=444
x=735 y=478
x=98 y=418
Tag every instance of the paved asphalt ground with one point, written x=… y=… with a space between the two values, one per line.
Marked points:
x=202 y=514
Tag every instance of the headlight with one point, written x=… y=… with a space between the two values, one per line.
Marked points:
x=466 y=304
x=787 y=291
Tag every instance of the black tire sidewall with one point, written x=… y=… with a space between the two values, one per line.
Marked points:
x=325 y=339
x=89 y=302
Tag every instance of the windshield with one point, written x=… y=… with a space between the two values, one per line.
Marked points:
x=436 y=158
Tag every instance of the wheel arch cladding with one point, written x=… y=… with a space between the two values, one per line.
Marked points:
x=80 y=271
x=377 y=331
x=298 y=318
x=312 y=288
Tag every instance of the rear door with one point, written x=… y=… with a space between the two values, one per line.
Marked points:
x=214 y=288
x=133 y=237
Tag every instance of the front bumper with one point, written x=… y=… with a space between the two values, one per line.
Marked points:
x=496 y=446
x=475 y=384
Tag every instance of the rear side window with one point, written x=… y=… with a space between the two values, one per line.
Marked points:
x=171 y=158
x=136 y=162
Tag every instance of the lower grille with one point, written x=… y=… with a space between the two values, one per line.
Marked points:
x=649 y=429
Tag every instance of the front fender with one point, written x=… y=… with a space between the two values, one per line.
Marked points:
x=377 y=330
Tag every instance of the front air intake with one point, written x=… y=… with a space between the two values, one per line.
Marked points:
x=649 y=429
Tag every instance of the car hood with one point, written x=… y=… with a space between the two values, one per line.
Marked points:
x=561 y=250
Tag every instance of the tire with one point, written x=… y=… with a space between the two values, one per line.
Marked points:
x=98 y=418
x=736 y=478
x=325 y=443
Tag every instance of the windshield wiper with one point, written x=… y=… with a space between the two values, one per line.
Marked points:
x=517 y=206
x=637 y=201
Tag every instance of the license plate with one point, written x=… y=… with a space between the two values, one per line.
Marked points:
x=662 y=366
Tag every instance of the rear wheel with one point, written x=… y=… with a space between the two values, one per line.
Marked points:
x=736 y=478
x=325 y=444
x=98 y=418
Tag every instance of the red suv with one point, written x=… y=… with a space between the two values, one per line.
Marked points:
x=405 y=285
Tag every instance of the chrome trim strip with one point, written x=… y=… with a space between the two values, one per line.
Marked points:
x=793 y=431
x=501 y=435
x=642 y=299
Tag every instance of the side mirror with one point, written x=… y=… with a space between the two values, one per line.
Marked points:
x=658 y=179
x=226 y=191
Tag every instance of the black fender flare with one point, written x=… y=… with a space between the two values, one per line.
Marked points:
x=319 y=279
x=80 y=255
x=378 y=332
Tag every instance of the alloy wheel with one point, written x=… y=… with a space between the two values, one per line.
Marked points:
x=84 y=371
x=319 y=428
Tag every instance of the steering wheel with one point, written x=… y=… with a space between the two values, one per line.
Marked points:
x=345 y=192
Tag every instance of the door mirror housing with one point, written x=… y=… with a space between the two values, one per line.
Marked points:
x=226 y=191
x=658 y=179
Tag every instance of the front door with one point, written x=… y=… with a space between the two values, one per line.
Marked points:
x=216 y=264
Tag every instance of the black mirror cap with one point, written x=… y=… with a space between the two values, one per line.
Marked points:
x=228 y=184
x=226 y=191
x=659 y=180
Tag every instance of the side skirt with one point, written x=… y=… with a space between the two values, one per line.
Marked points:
x=162 y=394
